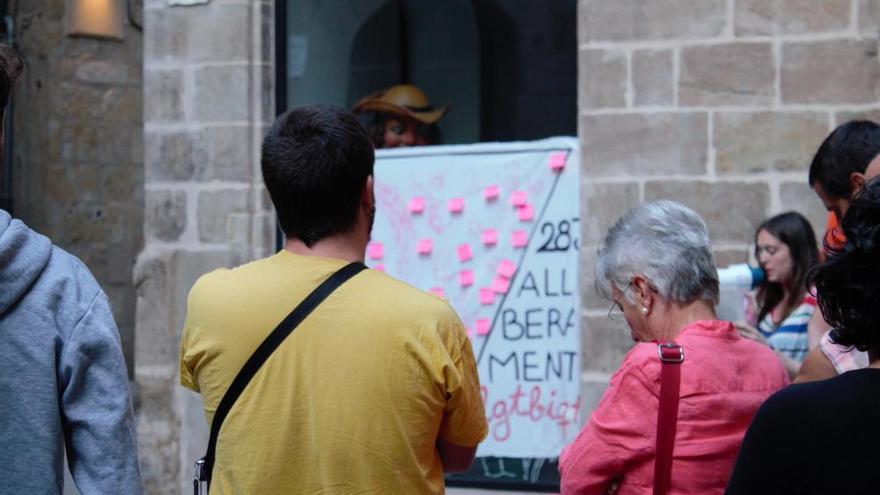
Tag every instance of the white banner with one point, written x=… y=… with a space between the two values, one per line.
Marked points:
x=494 y=229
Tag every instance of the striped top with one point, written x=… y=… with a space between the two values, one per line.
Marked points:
x=790 y=336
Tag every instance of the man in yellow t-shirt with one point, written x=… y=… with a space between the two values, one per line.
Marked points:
x=377 y=390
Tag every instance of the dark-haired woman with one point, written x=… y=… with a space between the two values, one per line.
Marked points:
x=785 y=247
x=822 y=437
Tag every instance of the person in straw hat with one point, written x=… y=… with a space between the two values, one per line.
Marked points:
x=402 y=116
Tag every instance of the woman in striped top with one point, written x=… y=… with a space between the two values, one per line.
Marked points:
x=785 y=247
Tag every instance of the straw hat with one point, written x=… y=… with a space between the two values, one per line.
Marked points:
x=403 y=99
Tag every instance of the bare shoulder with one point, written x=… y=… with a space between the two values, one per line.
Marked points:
x=816 y=366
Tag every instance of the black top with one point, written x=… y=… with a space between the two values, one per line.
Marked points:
x=820 y=437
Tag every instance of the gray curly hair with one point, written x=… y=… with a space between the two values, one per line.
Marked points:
x=665 y=242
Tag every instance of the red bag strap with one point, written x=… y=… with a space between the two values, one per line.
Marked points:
x=671 y=357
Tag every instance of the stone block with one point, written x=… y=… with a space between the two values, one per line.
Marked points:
x=605 y=203
x=592 y=390
x=633 y=145
x=727 y=74
x=605 y=343
x=590 y=298
x=158 y=430
x=638 y=20
x=267 y=31
x=222 y=93
x=164 y=215
x=82 y=225
x=845 y=116
x=752 y=142
x=104 y=72
x=732 y=210
x=729 y=256
x=828 y=72
x=229 y=153
x=215 y=208
x=121 y=183
x=163 y=280
x=602 y=79
x=222 y=34
x=775 y=17
x=166 y=33
x=163 y=95
x=797 y=196
x=652 y=78
x=123 y=106
x=174 y=155
x=155 y=330
x=869 y=16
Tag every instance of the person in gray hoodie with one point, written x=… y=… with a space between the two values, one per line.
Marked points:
x=63 y=380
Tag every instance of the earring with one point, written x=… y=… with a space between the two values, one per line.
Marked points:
x=644 y=310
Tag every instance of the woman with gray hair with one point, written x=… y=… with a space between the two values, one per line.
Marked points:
x=675 y=412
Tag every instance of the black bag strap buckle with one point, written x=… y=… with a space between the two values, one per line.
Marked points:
x=200 y=475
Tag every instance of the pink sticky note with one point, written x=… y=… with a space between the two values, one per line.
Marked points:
x=519 y=198
x=490 y=237
x=557 y=161
x=519 y=238
x=425 y=246
x=438 y=291
x=491 y=192
x=464 y=252
x=465 y=278
x=526 y=213
x=456 y=205
x=487 y=296
x=483 y=326
x=379 y=268
x=375 y=250
x=500 y=285
x=506 y=268
x=417 y=205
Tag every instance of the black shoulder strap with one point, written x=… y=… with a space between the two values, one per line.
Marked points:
x=285 y=328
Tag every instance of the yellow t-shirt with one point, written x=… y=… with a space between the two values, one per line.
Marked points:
x=356 y=397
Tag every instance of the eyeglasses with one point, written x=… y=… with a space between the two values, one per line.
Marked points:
x=615 y=313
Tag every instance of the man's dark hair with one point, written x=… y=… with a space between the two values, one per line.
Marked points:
x=315 y=161
x=849 y=148
x=848 y=283
x=11 y=66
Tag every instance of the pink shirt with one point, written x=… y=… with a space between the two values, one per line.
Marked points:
x=724 y=378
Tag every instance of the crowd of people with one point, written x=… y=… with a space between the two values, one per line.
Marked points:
x=736 y=425
x=698 y=405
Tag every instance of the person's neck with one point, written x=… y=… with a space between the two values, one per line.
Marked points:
x=679 y=315
x=874 y=358
x=347 y=247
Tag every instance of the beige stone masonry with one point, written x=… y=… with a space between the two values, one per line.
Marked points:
x=208 y=92
x=721 y=107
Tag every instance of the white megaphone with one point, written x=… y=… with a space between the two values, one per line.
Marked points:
x=740 y=276
x=734 y=282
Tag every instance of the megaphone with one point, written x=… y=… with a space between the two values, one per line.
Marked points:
x=740 y=276
x=735 y=281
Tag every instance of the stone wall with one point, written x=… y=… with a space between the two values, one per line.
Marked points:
x=78 y=157
x=208 y=98
x=718 y=104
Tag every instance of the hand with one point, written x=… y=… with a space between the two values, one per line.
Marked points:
x=747 y=331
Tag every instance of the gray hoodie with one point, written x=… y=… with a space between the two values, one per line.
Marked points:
x=62 y=375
